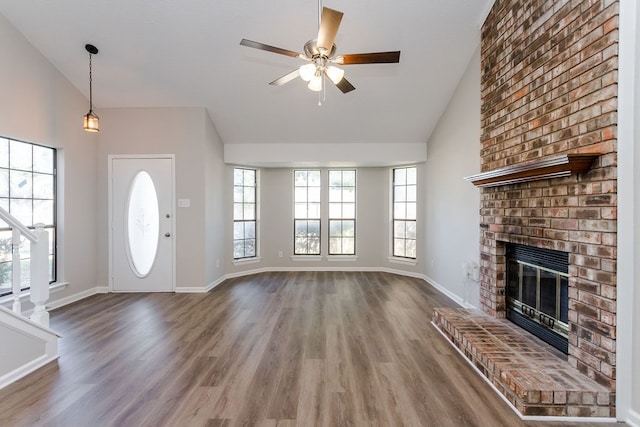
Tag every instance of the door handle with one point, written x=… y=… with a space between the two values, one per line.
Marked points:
x=167 y=234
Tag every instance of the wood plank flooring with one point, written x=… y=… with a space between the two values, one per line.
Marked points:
x=274 y=349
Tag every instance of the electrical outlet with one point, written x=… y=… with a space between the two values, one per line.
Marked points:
x=280 y=254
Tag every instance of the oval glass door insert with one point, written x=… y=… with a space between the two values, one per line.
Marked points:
x=143 y=224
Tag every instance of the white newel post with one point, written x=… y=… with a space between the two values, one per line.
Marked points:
x=40 y=276
x=16 y=287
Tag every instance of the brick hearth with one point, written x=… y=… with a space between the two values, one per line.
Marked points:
x=532 y=376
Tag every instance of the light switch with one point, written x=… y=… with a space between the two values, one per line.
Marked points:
x=184 y=203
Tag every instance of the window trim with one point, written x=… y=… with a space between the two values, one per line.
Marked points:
x=307 y=218
x=256 y=256
x=342 y=218
x=400 y=259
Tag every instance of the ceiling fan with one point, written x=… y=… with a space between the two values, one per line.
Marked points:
x=321 y=55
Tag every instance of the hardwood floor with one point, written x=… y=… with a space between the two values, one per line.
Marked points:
x=275 y=349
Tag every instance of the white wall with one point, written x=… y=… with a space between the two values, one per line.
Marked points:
x=217 y=215
x=39 y=105
x=452 y=212
x=628 y=324
x=178 y=131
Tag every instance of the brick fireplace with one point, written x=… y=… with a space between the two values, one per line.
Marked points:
x=549 y=88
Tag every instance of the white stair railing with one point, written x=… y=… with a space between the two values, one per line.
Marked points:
x=39 y=285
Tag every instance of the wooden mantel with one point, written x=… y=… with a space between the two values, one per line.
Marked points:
x=550 y=167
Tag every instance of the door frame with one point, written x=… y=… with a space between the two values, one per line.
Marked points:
x=110 y=159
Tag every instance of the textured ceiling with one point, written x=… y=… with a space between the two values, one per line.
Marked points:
x=169 y=53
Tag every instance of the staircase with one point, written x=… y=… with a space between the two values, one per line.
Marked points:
x=26 y=343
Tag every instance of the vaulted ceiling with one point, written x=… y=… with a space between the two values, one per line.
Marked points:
x=170 y=53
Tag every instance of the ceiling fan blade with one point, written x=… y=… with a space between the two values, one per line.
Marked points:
x=328 y=30
x=286 y=78
x=344 y=85
x=262 y=46
x=369 y=58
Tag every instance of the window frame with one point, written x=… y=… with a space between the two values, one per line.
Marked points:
x=243 y=220
x=396 y=220
x=342 y=219
x=52 y=228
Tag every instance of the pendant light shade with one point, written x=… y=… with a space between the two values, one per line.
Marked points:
x=91 y=120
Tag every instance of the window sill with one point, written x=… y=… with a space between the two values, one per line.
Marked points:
x=342 y=258
x=306 y=258
x=7 y=300
x=404 y=261
x=243 y=261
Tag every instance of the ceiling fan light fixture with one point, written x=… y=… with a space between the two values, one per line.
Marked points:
x=315 y=84
x=335 y=74
x=307 y=72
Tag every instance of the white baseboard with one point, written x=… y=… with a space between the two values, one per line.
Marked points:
x=77 y=297
x=24 y=370
x=448 y=293
x=632 y=418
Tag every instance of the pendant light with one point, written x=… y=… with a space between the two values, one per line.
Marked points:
x=91 y=120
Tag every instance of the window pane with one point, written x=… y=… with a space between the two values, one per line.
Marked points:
x=412 y=176
x=250 y=230
x=313 y=228
x=238 y=194
x=334 y=245
x=238 y=249
x=348 y=246
x=314 y=178
x=411 y=229
x=399 y=210
x=42 y=159
x=400 y=176
x=238 y=177
x=411 y=211
x=349 y=228
x=348 y=210
x=238 y=211
x=314 y=246
x=335 y=228
x=400 y=194
x=410 y=249
x=398 y=247
x=300 y=228
x=335 y=194
x=249 y=211
x=238 y=230
x=249 y=178
x=300 y=210
x=250 y=248
x=4 y=183
x=300 y=194
x=411 y=193
x=349 y=194
x=335 y=178
x=43 y=212
x=349 y=178
x=20 y=155
x=300 y=178
x=42 y=186
x=4 y=153
x=22 y=210
x=399 y=229
x=314 y=210
x=250 y=194
x=20 y=184
x=335 y=210
x=314 y=194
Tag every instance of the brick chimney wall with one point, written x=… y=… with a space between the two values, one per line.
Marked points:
x=549 y=86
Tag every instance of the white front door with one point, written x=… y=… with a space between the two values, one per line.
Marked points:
x=142 y=224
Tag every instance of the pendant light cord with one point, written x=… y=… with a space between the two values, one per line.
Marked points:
x=90 y=84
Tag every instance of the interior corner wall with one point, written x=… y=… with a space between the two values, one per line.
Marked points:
x=177 y=131
x=40 y=105
x=217 y=211
x=453 y=204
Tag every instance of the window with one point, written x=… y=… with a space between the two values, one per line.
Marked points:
x=342 y=212
x=306 y=212
x=28 y=192
x=404 y=212
x=244 y=213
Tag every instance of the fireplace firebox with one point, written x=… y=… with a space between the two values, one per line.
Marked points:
x=537 y=292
